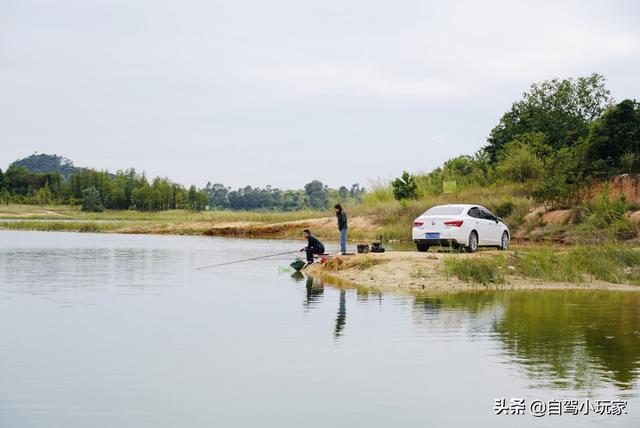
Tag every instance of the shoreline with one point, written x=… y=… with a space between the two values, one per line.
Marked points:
x=425 y=272
x=527 y=266
x=398 y=271
x=259 y=225
x=237 y=229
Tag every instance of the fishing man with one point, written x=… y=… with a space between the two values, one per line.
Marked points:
x=314 y=246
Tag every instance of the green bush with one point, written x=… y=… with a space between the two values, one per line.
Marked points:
x=405 y=187
x=605 y=219
x=505 y=209
x=519 y=163
x=91 y=201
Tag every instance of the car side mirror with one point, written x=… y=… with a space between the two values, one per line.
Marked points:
x=498 y=219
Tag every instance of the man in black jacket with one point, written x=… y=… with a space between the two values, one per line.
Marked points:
x=342 y=227
x=314 y=246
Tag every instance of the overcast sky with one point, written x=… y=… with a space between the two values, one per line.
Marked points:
x=281 y=92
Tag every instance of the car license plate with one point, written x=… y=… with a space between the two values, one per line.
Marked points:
x=432 y=236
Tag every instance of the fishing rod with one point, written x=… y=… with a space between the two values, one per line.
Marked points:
x=246 y=260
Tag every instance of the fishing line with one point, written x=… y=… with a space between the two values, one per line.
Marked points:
x=245 y=260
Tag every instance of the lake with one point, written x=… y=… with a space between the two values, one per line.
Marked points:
x=107 y=330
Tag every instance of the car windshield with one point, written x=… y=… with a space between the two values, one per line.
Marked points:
x=444 y=210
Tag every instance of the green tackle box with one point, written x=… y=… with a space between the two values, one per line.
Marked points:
x=298 y=263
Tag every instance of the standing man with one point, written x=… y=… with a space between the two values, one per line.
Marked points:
x=342 y=227
x=314 y=246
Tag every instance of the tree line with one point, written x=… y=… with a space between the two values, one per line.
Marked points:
x=555 y=141
x=315 y=195
x=97 y=190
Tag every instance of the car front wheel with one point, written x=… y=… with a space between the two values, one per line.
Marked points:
x=472 y=247
x=504 y=242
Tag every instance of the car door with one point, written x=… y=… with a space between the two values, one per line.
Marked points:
x=492 y=236
x=480 y=224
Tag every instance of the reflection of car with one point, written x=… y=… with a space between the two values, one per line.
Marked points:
x=466 y=227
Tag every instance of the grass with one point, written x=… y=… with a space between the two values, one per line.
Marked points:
x=482 y=270
x=546 y=264
x=335 y=264
x=395 y=216
x=57 y=212
x=419 y=272
x=178 y=222
x=578 y=264
x=610 y=263
x=63 y=226
x=367 y=262
x=362 y=263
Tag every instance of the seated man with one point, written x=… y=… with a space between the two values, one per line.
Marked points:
x=314 y=246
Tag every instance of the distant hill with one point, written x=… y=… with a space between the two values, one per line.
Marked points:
x=48 y=163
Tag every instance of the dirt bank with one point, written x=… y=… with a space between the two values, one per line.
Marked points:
x=425 y=271
x=362 y=228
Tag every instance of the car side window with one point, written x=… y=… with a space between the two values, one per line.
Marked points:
x=487 y=215
x=474 y=212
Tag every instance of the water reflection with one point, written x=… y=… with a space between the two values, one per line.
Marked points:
x=561 y=339
x=314 y=295
x=341 y=319
x=366 y=295
x=314 y=290
x=571 y=339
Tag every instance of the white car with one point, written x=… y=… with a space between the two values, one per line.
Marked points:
x=466 y=227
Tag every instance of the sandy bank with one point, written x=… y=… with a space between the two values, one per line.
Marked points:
x=323 y=227
x=424 y=271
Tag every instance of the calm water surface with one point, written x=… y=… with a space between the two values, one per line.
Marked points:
x=123 y=331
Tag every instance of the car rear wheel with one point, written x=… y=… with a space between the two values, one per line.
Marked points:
x=423 y=248
x=504 y=242
x=472 y=247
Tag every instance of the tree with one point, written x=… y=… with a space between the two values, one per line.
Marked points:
x=292 y=200
x=218 y=195
x=356 y=191
x=343 y=192
x=467 y=170
x=405 y=187
x=44 y=195
x=179 y=198
x=91 y=201
x=42 y=163
x=192 y=197
x=4 y=196
x=565 y=175
x=118 y=199
x=613 y=144
x=1 y=179
x=559 y=109
x=317 y=195
x=202 y=200
x=519 y=163
x=18 y=180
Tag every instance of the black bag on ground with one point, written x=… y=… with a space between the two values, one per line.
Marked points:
x=376 y=247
